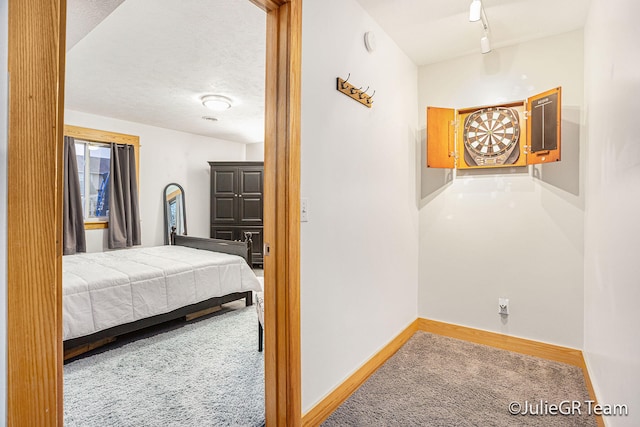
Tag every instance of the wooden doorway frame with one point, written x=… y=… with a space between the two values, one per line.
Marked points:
x=34 y=212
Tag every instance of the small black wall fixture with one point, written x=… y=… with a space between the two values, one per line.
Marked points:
x=354 y=93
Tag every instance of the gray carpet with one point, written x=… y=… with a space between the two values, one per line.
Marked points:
x=206 y=373
x=439 y=381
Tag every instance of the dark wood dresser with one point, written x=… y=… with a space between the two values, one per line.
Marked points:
x=236 y=203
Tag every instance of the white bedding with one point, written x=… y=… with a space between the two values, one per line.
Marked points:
x=102 y=290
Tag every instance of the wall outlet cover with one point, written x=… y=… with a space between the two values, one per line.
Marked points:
x=503 y=306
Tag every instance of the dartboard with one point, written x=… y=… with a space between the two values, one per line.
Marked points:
x=490 y=136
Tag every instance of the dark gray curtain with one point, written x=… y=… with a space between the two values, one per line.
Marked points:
x=73 y=239
x=124 y=211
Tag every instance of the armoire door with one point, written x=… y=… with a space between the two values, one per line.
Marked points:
x=224 y=191
x=224 y=233
x=250 y=186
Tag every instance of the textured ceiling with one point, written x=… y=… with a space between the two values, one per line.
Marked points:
x=84 y=15
x=431 y=31
x=150 y=61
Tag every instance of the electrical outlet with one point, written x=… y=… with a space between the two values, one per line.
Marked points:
x=503 y=306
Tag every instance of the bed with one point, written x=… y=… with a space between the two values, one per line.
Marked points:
x=108 y=294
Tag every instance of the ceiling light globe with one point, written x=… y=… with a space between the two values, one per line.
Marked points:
x=216 y=102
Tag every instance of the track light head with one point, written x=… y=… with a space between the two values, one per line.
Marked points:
x=485 y=44
x=475 y=11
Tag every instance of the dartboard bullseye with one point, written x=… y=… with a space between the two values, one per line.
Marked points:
x=490 y=136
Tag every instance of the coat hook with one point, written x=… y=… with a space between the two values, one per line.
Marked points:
x=369 y=101
x=363 y=94
x=354 y=90
x=344 y=83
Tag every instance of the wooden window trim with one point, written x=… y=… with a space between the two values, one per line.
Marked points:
x=96 y=225
x=105 y=137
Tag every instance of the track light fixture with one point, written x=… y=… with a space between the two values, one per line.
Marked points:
x=476 y=13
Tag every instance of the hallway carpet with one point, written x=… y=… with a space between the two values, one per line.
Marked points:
x=438 y=381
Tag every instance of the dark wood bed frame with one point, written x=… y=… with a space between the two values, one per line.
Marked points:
x=79 y=345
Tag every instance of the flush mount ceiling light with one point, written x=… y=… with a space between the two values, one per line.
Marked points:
x=216 y=102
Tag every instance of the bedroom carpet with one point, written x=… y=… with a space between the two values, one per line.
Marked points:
x=205 y=373
x=439 y=381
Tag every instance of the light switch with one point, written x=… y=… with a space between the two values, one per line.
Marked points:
x=304 y=209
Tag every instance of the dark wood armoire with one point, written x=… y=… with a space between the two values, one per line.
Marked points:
x=236 y=203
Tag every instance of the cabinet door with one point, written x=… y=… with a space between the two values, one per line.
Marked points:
x=441 y=138
x=224 y=195
x=250 y=186
x=223 y=233
x=543 y=127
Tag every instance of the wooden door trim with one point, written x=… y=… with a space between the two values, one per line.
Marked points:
x=34 y=212
x=282 y=213
x=36 y=113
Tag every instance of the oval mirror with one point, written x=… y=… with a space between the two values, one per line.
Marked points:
x=174 y=211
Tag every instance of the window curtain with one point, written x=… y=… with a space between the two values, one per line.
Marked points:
x=124 y=210
x=73 y=238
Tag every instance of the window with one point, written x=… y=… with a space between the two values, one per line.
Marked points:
x=93 y=154
x=94 y=162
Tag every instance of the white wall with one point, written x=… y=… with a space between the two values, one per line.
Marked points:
x=3 y=208
x=165 y=156
x=255 y=152
x=612 y=252
x=359 y=248
x=505 y=233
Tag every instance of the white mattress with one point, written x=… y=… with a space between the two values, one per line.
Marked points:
x=102 y=290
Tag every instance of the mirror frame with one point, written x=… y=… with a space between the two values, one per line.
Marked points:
x=165 y=208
